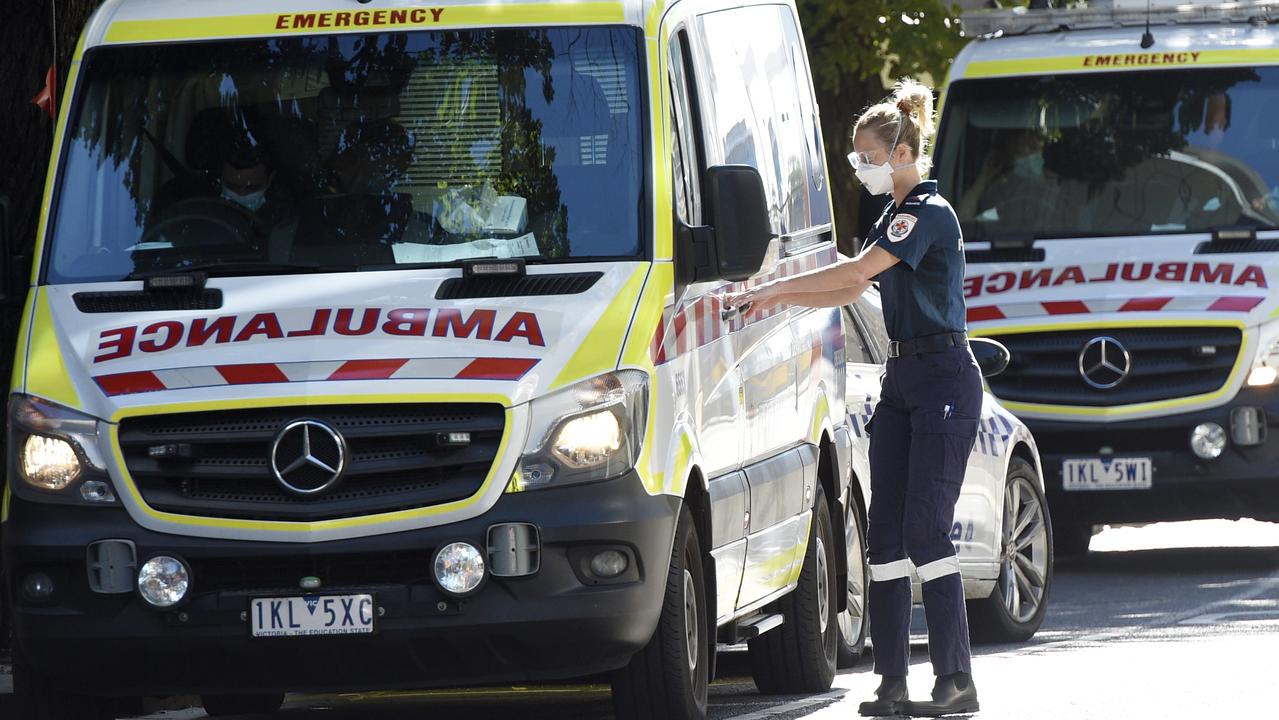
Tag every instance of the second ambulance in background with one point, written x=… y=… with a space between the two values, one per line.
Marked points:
x=1119 y=194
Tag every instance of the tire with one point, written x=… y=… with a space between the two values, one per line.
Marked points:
x=670 y=676
x=1071 y=541
x=1015 y=608
x=799 y=656
x=852 y=621
x=35 y=698
x=231 y=705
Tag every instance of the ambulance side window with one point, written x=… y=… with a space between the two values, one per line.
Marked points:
x=685 y=156
x=758 y=109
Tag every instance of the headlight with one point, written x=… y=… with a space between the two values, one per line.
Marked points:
x=591 y=431
x=1266 y=369
x=56 y=447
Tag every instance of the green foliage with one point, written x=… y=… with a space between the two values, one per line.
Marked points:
x=851 y=40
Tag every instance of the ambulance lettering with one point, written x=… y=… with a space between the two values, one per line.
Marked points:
x=480 y=324
x=1141 y=59
x=1170 y=272
x=362 y=18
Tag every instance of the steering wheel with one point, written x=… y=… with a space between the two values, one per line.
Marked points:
x=203 y=221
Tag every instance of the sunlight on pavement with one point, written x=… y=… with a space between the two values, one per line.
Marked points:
x=1191 y=534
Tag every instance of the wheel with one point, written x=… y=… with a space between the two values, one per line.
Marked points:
x=229 y=705
x=1071 y=541
x=1015 y=608
x=35 y=698
x=669 y=677
x=799 y=656
x=852 y=621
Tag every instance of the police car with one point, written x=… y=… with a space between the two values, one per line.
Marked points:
x=1002 y=528
x=1115 y=170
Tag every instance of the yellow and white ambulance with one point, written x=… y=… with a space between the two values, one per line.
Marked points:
x=375 y=344
x=1116 y=172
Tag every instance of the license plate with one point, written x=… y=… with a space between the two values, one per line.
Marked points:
x=311 y=615
x=1106 y=474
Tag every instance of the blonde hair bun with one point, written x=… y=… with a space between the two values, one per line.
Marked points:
x=914 y=99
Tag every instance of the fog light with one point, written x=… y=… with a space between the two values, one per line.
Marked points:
x=37 y=587
x=609 y=564
x=163 y=581
x=1208 y=440
x=459 y=568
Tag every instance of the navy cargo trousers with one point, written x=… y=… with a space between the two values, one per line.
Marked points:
x=921 y=434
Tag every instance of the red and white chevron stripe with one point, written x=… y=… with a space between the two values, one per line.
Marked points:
x=699 y=322
x=1192 y=303
x=130 y=383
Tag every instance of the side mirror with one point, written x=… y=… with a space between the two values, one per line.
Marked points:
x=992 y=357
x=738 y=242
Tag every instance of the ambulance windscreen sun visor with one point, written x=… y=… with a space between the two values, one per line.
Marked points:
x=371 y=152
x=1112 y=153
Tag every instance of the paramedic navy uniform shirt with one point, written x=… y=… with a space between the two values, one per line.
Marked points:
x=922 y=294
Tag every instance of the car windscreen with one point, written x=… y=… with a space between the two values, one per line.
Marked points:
x=350 y=152
x=1110 y=154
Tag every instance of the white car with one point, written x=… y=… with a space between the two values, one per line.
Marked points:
x=1001 y=530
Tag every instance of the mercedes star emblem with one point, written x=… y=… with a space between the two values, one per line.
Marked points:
x=308 y=457
x=1104 y=363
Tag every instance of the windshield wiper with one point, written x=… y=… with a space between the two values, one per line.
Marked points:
x=222 y=269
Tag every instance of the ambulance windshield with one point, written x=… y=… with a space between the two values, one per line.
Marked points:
x=352 y=152
x=1109 y=154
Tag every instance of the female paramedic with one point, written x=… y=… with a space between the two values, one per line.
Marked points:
x=926 y=422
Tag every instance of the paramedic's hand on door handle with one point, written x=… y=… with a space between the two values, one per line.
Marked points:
x=729 y=313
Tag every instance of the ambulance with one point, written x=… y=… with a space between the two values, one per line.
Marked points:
x=373 y=344
x=1115 y=169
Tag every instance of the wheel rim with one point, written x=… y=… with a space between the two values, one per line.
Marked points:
x=691 y=621
x=1023 y=574
x=853 y=617
x=823 y=586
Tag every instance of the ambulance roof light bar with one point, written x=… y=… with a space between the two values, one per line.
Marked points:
x=1102 y=14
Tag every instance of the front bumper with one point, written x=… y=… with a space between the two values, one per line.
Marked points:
x=1243 y=482
x=553 y=624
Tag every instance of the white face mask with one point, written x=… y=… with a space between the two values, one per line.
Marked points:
x=878 y=179
x=251 y=201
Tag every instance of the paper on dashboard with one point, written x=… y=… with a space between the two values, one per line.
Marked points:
x=409 y=253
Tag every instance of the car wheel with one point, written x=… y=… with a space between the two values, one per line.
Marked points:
x=670 y=676
x=799 y=656
x=231 y=705
x=852 y=621
x=35 y=698
x=1015 y=609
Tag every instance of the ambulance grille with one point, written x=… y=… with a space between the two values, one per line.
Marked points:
x=218 y=464
x=1166 y=363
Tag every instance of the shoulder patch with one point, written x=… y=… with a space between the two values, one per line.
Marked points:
x=901 y=227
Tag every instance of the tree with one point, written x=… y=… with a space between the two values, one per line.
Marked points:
x=857 y=49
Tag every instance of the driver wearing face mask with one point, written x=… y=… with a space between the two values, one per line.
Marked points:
x=245 y=180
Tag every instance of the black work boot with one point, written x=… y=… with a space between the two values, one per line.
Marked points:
x=952 y=694
x=888 y=698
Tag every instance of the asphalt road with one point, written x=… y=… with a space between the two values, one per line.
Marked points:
x=1177 y=620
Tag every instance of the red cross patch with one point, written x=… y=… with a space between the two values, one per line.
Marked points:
x=901 y=227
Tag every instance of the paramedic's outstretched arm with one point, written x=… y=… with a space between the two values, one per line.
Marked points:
x=831 y=286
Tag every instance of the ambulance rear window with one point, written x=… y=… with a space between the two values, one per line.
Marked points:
x=352 y=152
x=1111 y=154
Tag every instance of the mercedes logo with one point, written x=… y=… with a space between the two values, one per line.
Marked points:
x=1104 y=363
x=308 y=457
